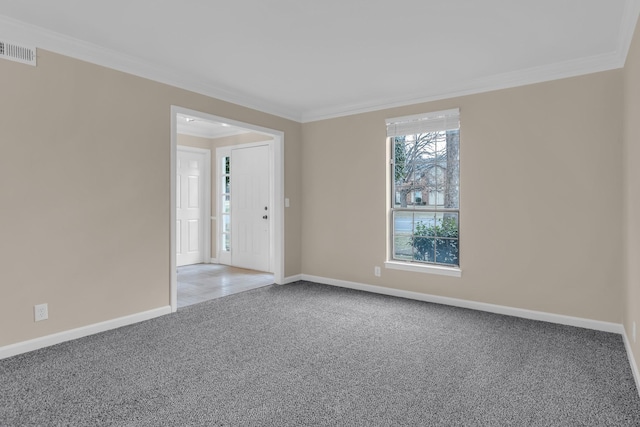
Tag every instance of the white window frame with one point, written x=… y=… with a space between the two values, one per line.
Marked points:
x=408 y=125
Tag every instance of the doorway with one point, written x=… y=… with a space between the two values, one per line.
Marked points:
x=193 y=202
x=271 y=161
x=245 y=192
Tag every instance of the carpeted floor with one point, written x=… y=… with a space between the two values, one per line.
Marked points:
x=309 y=354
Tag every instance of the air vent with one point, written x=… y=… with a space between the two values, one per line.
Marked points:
x=15 y=52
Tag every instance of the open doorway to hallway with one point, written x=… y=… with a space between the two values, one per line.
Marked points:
x=227 y=241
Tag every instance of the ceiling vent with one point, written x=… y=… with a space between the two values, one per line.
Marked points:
x=17 y=53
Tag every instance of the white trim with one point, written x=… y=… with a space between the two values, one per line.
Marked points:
x=214 y=261
x=528 y=76
x=173 y=167
x=89 y=52
x=291 y=279
x=627 y=28
x=277 y=211
x=206 y=213
x=474 y=305
x=424 y=268
x=632 y=360
x=75 y=48
x=224 y=257
x=72 y=334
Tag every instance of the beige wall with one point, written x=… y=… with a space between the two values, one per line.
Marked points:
x=85 y=190
x=632 y=191
x=194 y=141
x=85 y=179
x=212 y=144
x=541 y=198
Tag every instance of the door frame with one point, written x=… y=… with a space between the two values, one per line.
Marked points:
x=229 y=149
x=277 y=212
x=206 y=200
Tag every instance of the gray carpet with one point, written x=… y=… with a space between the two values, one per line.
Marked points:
x=309 y=354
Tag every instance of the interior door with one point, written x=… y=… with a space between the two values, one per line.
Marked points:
x=250 y=210
x=189 y=208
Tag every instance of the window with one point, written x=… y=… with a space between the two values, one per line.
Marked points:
x=425 y=176
x=225 y=211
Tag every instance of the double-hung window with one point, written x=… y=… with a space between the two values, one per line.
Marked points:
x=425 y=189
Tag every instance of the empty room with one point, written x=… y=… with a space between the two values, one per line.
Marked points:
x=441 y=201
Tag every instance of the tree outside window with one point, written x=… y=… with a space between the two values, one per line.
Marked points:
x=425 y=192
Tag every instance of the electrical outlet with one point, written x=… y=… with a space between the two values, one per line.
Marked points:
x=376 y=271
x=41 y=312
x=633 y=331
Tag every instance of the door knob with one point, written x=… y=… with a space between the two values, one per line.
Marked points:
x=264 y=217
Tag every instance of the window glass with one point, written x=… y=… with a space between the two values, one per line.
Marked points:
x=425 y=188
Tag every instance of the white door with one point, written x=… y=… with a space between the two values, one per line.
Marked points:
x=189 y=207
x=250 y=210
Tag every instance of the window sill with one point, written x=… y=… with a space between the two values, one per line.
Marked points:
x=423 y=268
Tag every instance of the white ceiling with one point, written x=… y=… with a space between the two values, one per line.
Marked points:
x=196 y=126
x=307 y=60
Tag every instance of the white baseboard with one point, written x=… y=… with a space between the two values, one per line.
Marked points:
x=57 y=338
x=481 y=306
x=34 y=344
x=632 y=360
x=214 y=261
x=291 y=279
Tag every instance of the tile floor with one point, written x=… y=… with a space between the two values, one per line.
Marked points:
x=202 y=282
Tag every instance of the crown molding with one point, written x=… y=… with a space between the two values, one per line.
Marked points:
x=524 y=77
x=42 y=38
x=560 y=70
x=75 y=48
x=627 y=28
